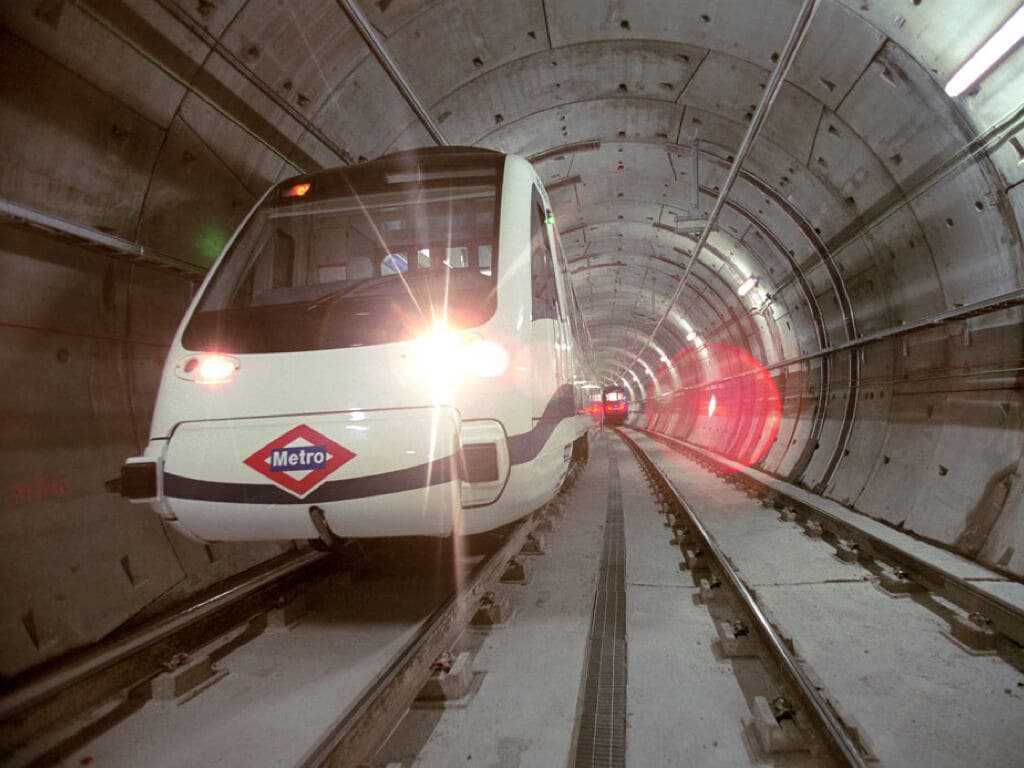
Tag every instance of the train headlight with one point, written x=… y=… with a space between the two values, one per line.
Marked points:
x=453 y=353
x=486 y=358
x=211 y=368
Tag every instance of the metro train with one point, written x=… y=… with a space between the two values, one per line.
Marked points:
x=616 y=406
x=386 y=349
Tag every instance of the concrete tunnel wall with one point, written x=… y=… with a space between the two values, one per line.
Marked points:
x=160 y=122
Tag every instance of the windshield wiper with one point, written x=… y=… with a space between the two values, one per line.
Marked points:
x=341 y=293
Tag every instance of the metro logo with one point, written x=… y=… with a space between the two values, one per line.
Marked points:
x=295 y=459
x=299 y=460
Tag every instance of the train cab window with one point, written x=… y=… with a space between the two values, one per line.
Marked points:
x=368 y=256
x=456 y=258
x=542 y=266
x=394 y=264
x=284 y=259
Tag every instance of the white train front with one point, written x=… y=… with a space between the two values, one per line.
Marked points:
x=389 y=349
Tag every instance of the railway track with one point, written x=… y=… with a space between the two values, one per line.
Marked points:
x=816 y=710
x=989 y=620
x=94 y=706
x=35 y=712
x=886 y=647
x=764 y=645
x=355 y=737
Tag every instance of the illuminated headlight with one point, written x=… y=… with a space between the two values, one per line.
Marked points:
x=452 y=353
x=209 y=368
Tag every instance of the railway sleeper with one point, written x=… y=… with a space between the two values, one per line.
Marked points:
x=813 y=529
x=847 y=551
x=787 y=514
x=682 y=536
x=187 y=675
x=849 y=723
x=773 y=728
x=494 y=610
x=736 y=641
x=287 y=612
x=516 y=572
x=696 y=560
x=974 y=632
x=451 y=677
x=534 y=544
x=897 y=581
x=711 y=592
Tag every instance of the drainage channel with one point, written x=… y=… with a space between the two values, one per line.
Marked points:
x=777 y=725
x=601 y=734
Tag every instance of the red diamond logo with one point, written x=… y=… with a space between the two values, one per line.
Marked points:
x=300 y=459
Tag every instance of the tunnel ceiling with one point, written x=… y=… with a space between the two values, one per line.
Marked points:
x=854 y=211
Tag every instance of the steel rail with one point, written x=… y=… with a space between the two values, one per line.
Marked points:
x=772 y=88
x=391 y=68
x=50 y=685
x=359 y=732
x=1005 y=617
x=834 y=733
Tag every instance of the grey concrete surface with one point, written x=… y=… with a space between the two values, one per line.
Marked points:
x=685 y=704
x=282 y=690
x=525 y=709
x=889 y=662
x=985 y=579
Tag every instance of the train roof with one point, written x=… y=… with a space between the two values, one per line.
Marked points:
x=436 y=156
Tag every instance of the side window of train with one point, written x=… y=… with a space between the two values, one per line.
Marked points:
x=271 y=268
x=542 y=266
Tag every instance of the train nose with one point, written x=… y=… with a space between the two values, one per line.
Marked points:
x=372 y=473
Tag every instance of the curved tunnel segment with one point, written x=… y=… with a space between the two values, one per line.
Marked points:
x=856 y=312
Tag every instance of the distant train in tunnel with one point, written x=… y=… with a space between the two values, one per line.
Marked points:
x=386 y=349
x=616 y=406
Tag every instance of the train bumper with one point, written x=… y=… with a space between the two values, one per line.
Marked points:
x=369 y=473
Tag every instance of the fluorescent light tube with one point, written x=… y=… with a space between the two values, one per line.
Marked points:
x=985 y=57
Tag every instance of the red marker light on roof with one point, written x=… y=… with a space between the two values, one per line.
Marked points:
x=299 y=190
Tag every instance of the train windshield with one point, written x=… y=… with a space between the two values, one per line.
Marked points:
x=367 y=255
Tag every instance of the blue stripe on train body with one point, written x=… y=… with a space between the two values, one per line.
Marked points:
x=525 y=447
x=408 y=479
x=522 y=448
